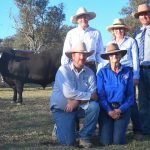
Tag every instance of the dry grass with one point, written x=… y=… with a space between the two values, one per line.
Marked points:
x=29 y=126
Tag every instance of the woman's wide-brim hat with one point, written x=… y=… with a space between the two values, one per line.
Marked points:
x=79 y=47
x=117 y=23
x=82 y=11
x=112 y=48
x=141 y=8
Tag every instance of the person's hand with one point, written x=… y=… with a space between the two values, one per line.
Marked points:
x=72 y=104
x=115 y=114
x=112 y=114
x=135 y=82
x=94 y=96
x=118 y=113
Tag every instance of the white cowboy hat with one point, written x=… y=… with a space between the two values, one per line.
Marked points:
x=82 y=11
x=112 y=49
x=79 y=47
x=117 y=23
x=141 y=8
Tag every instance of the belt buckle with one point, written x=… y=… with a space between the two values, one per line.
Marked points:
x=115 y=105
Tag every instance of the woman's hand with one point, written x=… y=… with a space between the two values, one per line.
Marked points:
x=118 y=113
x=115 y=114
x=112 y=114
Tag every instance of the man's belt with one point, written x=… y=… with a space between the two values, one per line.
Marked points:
x=145 y=67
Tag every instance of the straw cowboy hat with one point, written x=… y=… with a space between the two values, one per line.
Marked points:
x=112 y=49
x=141 y=8
x=117 y=23
x=82 y=11
x=79 y=47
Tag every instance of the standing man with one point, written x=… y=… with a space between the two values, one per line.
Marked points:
x=90 y=36
x=74 y=96
x=143 y=39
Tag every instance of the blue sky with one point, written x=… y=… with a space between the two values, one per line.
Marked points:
x=106 y=11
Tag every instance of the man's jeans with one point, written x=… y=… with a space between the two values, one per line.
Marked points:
x=66 y=123
x=113 y=131
x=144 y=100
x=135 y=118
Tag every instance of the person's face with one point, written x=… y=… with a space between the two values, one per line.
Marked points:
x=115 y=58
x=144 y=18
x=119 y=32
x=83 y=21
x=79 y=60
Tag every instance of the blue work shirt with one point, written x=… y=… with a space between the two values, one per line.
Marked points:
x=71 y=84
x=115 y=88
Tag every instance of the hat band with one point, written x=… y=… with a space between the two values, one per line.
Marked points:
x=118 y=24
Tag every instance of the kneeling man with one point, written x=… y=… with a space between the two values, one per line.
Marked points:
x=74 y=96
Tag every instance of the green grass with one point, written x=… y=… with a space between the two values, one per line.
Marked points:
x=29 y=126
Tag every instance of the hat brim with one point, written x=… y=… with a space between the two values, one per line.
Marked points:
x=136 y=15
x=105 y=55
x=112 y=27
x=91 y=15
x=69 y=53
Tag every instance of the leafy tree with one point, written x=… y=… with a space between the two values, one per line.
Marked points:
x=129 y=10
x=37 y=24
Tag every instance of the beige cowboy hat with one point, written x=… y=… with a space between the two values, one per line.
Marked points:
x=82 y=11
x=112 y=49
x=117 y=23
x=79 y=47
x=141 y=8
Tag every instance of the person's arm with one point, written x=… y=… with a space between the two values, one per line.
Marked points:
x=129 y=94
x=101 y=92
x=99 y=50
x=135 y=61
x=67 y=46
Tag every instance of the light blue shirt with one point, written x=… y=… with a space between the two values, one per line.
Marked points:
x=71 y=84
x=137 y=36
x=92 y=39
x=131 y=59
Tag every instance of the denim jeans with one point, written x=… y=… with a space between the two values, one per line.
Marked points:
x=66 y=123
x=113 y=131
x=144 y=100
x=135 y=118
x=136 y=124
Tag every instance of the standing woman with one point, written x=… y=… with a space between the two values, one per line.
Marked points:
x=116 y=95
x=119 y=30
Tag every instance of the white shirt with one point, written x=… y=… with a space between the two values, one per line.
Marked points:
x=92 y=39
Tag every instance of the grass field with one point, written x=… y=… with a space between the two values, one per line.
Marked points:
x=29 y=126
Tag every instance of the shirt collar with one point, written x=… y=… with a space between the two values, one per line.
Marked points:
x=87 y=29
x=147 y=27
x=124 y=39
x=108 y=66
x=75 y=70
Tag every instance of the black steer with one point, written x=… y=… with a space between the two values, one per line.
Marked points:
x=18 y=67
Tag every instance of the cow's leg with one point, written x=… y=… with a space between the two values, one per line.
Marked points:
x=20 y=86
x=14 y=96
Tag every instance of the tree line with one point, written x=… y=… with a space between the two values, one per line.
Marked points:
x=40 y=25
